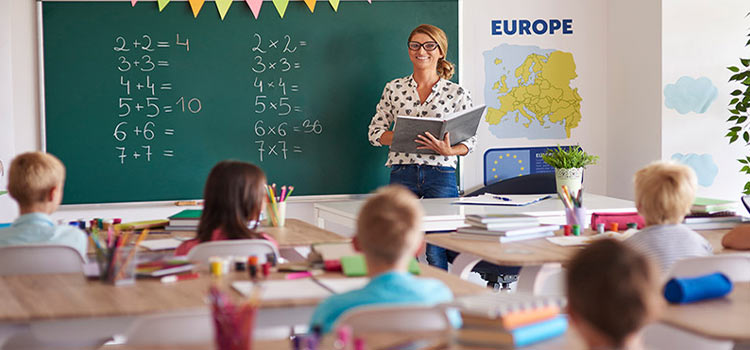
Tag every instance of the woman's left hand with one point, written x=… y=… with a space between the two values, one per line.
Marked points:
x=443 y=147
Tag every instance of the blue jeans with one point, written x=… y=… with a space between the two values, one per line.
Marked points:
x=427 y=181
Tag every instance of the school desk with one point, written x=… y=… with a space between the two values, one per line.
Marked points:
x=37 y=300
x=531 y=254
x=441 y=215
x=724 y=318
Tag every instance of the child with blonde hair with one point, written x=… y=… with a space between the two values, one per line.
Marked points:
x=664 y=193
x=389 y=236
x=35 y=181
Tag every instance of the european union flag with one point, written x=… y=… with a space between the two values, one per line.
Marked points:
x=503 y=164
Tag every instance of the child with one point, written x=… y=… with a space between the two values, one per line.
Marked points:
x=612 y=292
x=233 y=199
x=35 y=181
x=389 y=236
x=664 y=193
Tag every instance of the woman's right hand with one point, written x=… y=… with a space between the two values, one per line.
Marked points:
x=387 y=138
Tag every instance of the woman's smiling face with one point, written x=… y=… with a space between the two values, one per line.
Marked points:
x=422 y=58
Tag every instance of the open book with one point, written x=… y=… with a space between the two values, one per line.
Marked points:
x=461 y=125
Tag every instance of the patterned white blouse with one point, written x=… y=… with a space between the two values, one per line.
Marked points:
x=400 y=97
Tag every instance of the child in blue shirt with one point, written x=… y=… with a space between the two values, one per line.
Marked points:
x=35 y=181
x=389 y=236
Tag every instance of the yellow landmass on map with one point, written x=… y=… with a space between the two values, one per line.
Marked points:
x=549 y=95
x=498 y=61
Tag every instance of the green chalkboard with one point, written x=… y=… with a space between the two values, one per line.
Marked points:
x=140 y=104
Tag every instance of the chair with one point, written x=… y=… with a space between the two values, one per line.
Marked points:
x=735 y=266
x=238 y=247
x=34 y=259
x=525 y=184
x=395 y=318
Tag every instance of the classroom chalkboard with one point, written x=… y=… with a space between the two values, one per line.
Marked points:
x=140 y=104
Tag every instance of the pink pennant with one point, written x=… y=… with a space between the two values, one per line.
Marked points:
x=370 y=1
x=254 y=6
x=132 y=2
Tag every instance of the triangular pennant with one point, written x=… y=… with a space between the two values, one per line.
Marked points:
x=223 y=7
x=311 y=5
x=370 y=1
x=254 y=6
x=162 y=4
x=132 y=2
x=281 y=6
x=334 y=4
x=196 y=6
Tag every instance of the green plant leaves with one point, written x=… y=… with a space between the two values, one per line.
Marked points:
x=733 y=69
x=568 y=157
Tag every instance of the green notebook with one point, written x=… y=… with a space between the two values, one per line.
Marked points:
x=187 y=214
x=712 y=205
x=354 y=266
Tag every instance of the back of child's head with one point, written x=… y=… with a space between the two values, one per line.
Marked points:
x=388 y=227
x=32 y=175
x=233 y=195
x=664 y=192
x=613 y=289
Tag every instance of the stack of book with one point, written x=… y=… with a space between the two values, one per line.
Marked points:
x=713 y=214
x=504 y=228
x=502 y=320
x=186 y=220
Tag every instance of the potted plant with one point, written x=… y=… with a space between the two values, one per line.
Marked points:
x=739 y=108
x=569 y=163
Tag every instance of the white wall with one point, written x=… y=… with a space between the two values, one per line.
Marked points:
x=696 y=51
x=633 y=91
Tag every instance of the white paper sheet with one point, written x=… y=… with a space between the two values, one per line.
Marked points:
x=161 y=244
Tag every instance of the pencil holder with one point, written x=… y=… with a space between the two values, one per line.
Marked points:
x=122 y=271
x=233 y=324
x=276 y=214
x=576 y=216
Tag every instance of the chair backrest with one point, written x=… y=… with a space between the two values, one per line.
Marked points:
x=236 y=247
x=525 y=184
x=32 y=259
x=735 y=266
x=396 y=318
x=183 y=328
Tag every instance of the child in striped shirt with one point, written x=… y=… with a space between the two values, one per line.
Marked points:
x=664 y=193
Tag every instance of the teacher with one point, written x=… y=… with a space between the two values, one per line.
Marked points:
x=426 y=93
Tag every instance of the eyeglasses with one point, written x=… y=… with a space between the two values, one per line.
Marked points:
x=428 y=46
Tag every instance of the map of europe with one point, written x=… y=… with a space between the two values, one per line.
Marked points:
x=529 y=94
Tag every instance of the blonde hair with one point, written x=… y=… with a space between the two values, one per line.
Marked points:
x=388 y=227
x=613 y=288
x=664 y=192
x=445 y=69
x=32 y=175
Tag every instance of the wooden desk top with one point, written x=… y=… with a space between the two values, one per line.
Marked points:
x=38 y=297
x=534 y=251
x=725 y=318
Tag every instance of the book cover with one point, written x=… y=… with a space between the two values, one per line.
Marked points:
x=461 y=125
x=515 y=231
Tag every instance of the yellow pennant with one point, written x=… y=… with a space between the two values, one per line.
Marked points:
x=334 y=4
x=223 y=7
x=162 y=4
x=311 y=5
x=254 y=6
x=281 y=6
x=196 y=6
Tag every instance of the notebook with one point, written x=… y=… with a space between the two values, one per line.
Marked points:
x=461 y=125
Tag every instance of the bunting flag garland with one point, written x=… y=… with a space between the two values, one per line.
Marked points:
x=196 y=5
x=370 y=1
x=132 y=2
x=254 y=6
x=281 y=6
x=334 y=4
x=223 y=7
x=311 y=4
x=162 y=4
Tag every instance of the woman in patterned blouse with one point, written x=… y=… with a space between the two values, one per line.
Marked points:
x=426 y=93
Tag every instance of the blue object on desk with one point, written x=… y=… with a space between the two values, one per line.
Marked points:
x=540 y=331
x=502 y=198
x=5 y=224
x=688 y=290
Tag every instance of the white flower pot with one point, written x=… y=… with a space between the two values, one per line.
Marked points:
x=572 y=179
